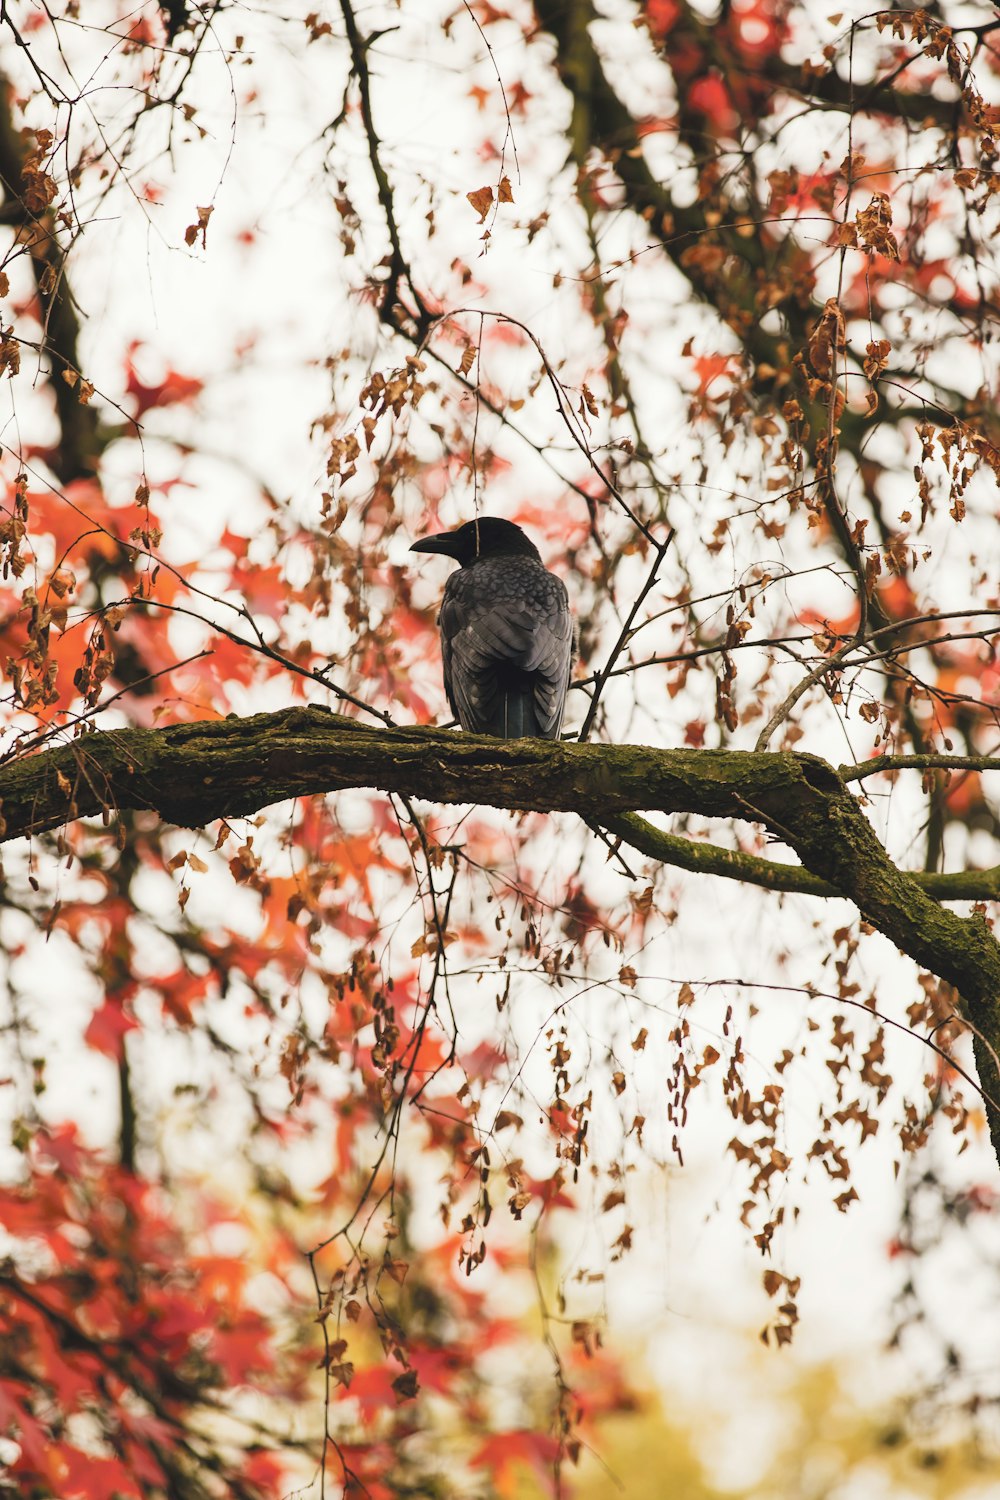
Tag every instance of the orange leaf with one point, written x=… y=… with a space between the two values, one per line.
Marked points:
x=482 y=201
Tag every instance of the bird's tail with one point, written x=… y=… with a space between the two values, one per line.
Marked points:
x=516 y=711
x=508 y=704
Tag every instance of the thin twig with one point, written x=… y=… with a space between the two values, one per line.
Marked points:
x=601 y=679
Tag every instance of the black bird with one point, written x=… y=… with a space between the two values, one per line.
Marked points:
x=507 y=636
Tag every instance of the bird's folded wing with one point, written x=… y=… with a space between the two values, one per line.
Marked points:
x=479 y=641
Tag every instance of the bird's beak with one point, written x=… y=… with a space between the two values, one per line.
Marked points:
x=444 y=542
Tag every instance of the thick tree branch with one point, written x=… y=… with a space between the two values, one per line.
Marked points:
x=193 y=773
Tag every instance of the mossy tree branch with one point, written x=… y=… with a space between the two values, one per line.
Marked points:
x=772 y=874
x=191 y=774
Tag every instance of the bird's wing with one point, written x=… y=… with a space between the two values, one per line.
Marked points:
x=486 y=638
x=551 y=662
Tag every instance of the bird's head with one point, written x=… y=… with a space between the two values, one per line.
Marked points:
x=486 y=537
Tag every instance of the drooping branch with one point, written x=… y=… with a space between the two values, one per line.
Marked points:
x=774 y=875
x=193 y=773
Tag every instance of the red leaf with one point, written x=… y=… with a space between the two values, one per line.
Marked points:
x=173 y=388
x=758 y=32
x=501 y=1451
x=709 y=367
x=711 y=96
x=86 y=1478
x=181 y=990
x=108 y=1025
x=27 y=1432
x=241 y=1351
x=662 y=15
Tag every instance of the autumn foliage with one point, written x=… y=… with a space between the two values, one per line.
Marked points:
x=302 y=1110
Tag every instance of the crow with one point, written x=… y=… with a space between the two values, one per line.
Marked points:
x=507 y=637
